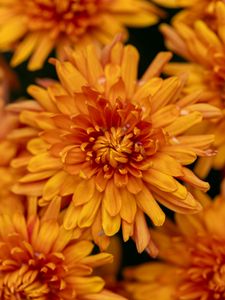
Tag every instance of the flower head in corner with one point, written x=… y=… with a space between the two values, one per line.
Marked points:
x=113 y=144
x=204 y=49
x=192 y=10
x=193 y=259
x=8 y=150
x=40 y=260
x=13 y=138
x=33 y=28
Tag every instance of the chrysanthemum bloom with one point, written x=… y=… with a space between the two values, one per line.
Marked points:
x=193 y=257
x=40 y=260
x=33 y=28
x=192 y=10
x=113 y=144
x=204 y=48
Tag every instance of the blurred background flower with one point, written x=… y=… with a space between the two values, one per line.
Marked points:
x=33 y=28
x=193 y=257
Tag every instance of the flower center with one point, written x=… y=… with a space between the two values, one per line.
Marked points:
x=115 y=147
x=110 y=138
x=217 y=282
x=207 y=271
x=67 y=16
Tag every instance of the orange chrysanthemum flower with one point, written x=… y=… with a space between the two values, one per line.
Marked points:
x=193 y=259
x=35 y=27
x=114 y=144
x=40 y=260
x=204 y=48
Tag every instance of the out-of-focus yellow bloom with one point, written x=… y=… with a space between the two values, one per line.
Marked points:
x=40 y=260
x=193 y=257
x=8 y=200
x=192 y=10
x=204 y=48
x=33 y=28
x=114 y=145
x=13 y=139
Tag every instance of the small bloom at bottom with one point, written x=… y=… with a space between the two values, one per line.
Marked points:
x=39 y=260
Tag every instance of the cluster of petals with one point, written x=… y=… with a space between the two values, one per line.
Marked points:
x=13 y=138
x=203 y=46
x=33 y=28
x=8 y=150
x=39 y=259
x=193 y=258
x=192 y=10
x=112 y=146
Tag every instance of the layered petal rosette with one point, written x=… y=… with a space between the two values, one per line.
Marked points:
x=113 y=146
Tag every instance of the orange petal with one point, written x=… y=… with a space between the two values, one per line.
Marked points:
x=89 y=210
x=141 y=232
x=47 y=235
x=110 y=224
x=71 y=216
x=148 y=205
x=166 y=164
x=44 y=162
x=160 y=180
x=83 y=192
x=127 y=230
x=129 y=207
x=192 y=179
x=53 y=185
x=112 y=199
x=128 y=70
x=74 y=253
x=134 y=185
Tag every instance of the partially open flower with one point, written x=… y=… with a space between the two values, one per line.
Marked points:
x=113 y=144
x=192 y=10
x=204 y=48
x=13 y=139
x=33 y=28
x=8 y=150
x=193 y=257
